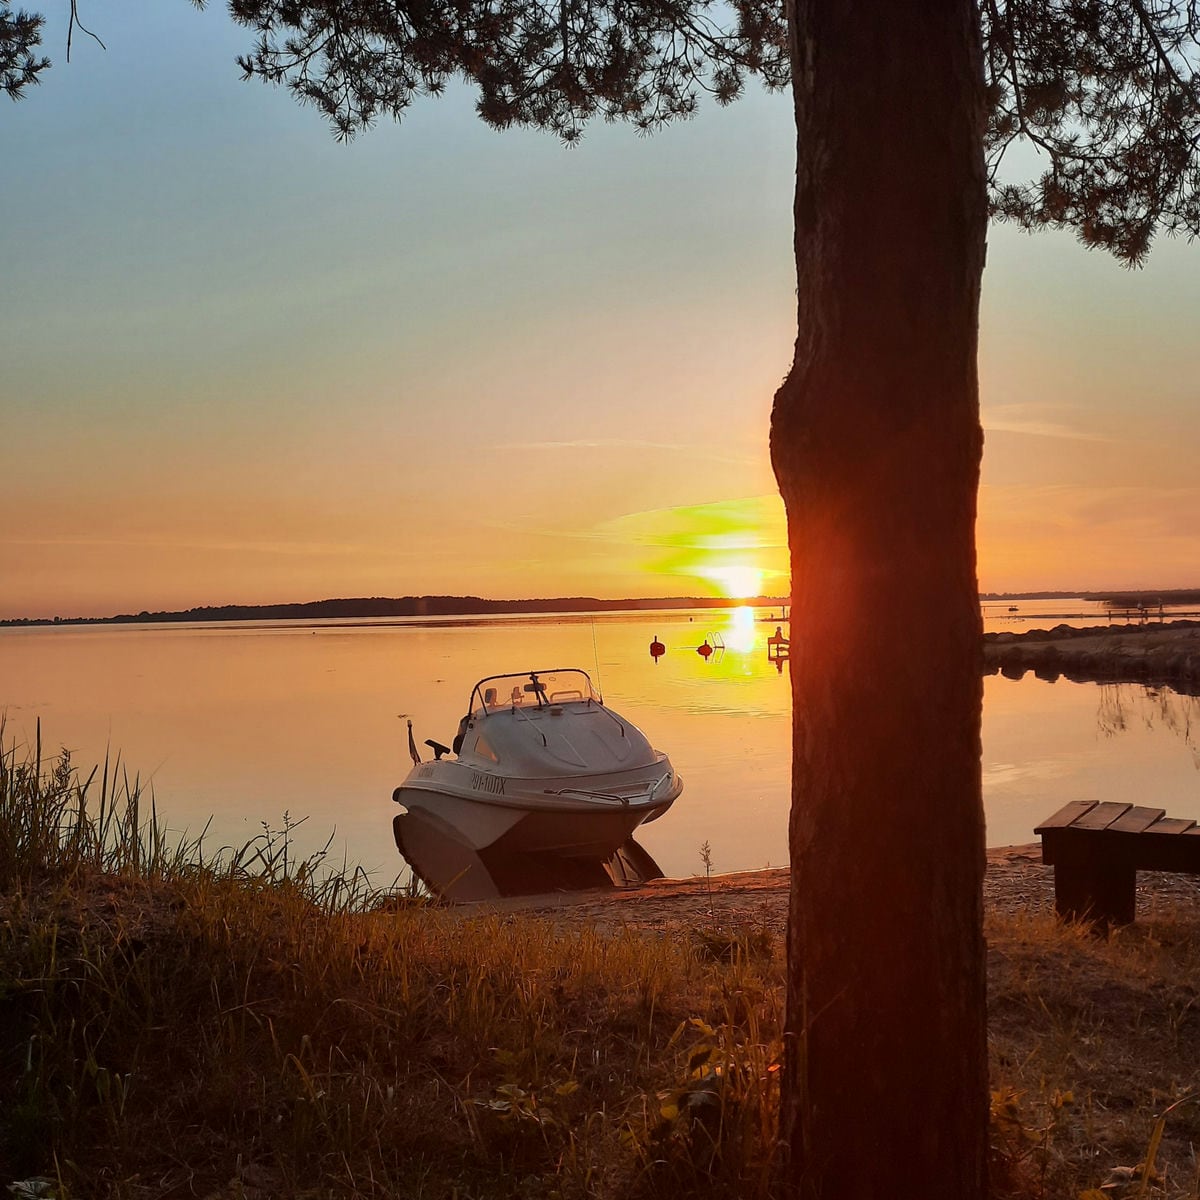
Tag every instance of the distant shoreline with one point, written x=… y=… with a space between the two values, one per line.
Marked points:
x=359 y=608
x=404 y=606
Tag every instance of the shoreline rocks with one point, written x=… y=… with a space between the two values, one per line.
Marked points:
x=1161 y=654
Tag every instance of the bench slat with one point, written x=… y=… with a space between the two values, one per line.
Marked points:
x=1170 y=825
x=1102 y=816
x=1066 y=815
x=1137 y=819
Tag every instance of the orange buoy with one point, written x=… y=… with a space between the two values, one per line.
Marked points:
x=657 y=649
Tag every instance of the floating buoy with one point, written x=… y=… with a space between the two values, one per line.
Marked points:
x=704 y=650
x=657 y=649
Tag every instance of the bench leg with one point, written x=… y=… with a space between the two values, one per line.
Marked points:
x=1095 y=888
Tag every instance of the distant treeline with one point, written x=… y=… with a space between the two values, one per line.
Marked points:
x=1139 y=599
x=1174 y=596
x=403 y=606
x=468 y=606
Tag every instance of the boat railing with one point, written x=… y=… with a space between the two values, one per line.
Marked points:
x=522 y=715
x=612 y=716
x=588 y=794
x=661 y=780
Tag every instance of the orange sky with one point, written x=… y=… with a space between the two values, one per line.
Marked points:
x=247 y=364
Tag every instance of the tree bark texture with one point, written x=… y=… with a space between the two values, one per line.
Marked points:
x=876 y=445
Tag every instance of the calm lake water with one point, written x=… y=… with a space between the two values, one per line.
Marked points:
x=243 y=722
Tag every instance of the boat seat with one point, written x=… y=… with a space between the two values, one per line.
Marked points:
x=437 y=748
x=458 y=737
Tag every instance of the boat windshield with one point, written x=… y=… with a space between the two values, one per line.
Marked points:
x=533 y=689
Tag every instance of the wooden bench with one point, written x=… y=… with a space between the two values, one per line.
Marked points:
x=1097 y=850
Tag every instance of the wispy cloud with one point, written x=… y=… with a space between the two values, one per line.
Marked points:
x=636 y=444
x=750 y=522
x=1094 y=536
x=747 y=523
x=1034 y=421
x=203 y=545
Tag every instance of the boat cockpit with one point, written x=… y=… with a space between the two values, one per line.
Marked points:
x=533 y=689
x=544 y=723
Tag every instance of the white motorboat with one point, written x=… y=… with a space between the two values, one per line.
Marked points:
x=540 y=766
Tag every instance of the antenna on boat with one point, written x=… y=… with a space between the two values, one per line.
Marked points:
x=596 y=656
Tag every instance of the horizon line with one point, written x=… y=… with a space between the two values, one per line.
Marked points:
x=447 y=604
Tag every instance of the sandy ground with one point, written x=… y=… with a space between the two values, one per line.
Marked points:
x=1016 y=881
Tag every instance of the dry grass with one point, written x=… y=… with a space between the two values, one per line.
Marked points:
x=234 y=1026
x=1092 y=1041
x=174 y=1023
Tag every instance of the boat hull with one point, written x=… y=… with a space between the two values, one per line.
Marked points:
x=454 y=871
x=527 y=816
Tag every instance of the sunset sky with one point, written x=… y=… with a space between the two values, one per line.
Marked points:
x=243 y=363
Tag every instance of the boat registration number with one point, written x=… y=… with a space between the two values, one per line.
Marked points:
x=482 y=782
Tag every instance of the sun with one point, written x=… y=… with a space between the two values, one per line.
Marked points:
x=739 y=581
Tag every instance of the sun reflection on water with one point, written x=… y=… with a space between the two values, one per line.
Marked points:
x=741 y=635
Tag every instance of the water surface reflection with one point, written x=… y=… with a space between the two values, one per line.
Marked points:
x=243 y=722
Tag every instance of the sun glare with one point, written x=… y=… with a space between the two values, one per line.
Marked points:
x=741 y=635
x=738 y=582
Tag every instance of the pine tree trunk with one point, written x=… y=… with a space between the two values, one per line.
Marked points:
x=876 y=445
